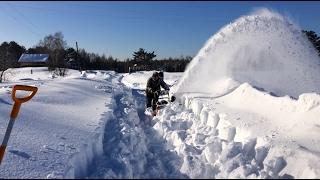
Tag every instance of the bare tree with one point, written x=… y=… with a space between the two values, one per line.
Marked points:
x=55 y=46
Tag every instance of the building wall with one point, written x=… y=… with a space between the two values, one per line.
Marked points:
x=33 y=64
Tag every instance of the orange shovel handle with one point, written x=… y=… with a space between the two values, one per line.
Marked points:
x=24 y=88
x=14 y=112
x=19 y=101
x=2 y=151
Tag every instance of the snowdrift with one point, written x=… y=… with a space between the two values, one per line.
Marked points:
x=264 y=49
x=237 y=136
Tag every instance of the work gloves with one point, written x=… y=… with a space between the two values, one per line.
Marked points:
x=157 y=93
x=164 y=92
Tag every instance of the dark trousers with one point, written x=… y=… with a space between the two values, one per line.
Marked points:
x=152 y=101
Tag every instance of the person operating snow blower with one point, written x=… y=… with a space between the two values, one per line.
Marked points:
x=153 y=89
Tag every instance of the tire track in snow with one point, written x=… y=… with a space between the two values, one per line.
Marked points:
x=133 y=149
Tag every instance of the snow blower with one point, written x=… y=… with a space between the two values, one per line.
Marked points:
x=163 y=100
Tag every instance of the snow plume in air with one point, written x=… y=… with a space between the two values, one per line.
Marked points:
x=264 y=49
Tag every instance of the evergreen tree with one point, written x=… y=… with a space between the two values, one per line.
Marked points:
x=9 y=56
x=142 y=56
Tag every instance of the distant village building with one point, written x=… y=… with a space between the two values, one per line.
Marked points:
x=32 y=60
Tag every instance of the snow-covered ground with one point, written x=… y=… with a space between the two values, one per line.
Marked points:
x=243 y=110
x=57 y=132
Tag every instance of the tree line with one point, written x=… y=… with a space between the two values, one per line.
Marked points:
x=91 y=61
x=62 y=56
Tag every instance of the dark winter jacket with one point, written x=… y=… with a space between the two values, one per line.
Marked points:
x=153 y=86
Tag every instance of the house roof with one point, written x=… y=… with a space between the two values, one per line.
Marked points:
x=33 y=58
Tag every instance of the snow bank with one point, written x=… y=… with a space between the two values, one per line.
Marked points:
x=247 y=133
x=205 y=153
x=263 y=49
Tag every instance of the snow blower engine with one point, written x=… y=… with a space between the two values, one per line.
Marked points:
x=164 y=99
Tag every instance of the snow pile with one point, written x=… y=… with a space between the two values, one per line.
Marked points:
x=237 y=136
x=263 y=49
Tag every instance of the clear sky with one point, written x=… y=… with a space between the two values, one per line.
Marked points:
x=120 y=28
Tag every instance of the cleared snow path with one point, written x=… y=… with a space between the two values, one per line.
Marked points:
x=132 y=148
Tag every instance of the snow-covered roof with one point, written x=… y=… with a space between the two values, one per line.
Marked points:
x=33 y=58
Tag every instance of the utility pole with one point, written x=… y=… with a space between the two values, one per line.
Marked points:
x=77 y=60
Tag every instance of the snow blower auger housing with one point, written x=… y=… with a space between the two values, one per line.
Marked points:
x=164 y=99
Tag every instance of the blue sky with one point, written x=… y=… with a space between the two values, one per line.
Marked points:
x=120 y=28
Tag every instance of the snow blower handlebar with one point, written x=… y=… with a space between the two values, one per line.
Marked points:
x=14 y=113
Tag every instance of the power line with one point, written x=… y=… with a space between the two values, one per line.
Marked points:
x=93 y=12
x=69 y=11
x=27 y=19
x=18 y=21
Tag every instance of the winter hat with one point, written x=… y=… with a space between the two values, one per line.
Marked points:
x=155 y=74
